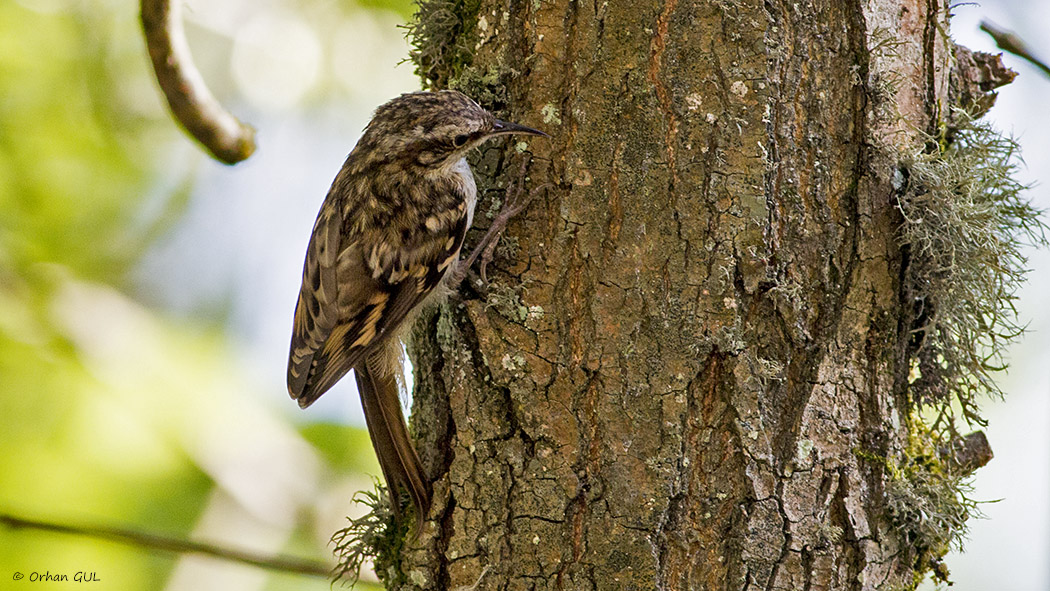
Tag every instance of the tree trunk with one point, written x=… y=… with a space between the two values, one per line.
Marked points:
x=689 y=369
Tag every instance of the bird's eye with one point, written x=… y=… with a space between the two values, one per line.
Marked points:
x=459 y=140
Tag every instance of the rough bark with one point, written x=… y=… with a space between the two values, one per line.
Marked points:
x=693 y=351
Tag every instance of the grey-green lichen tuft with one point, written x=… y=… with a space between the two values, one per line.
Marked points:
x=965 y=225
x=377 y=535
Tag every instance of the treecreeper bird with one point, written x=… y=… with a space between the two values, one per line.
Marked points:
x=388 y=235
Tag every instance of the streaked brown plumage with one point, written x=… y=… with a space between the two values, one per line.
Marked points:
x=387 y=235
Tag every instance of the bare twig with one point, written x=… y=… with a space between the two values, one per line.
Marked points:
x=192 y=104
x=1011 y=42
x=155 y=542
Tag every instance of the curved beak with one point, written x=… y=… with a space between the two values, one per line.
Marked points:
x=506 y=128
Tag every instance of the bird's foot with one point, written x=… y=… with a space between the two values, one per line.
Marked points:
x=515 y=202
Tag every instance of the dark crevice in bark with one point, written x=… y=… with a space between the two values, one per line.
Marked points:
x=670 y=521
x=444 y=537
x=857 y=37
x=785 y=530
x=907 y=345
x=869 y=405
x=929 y=50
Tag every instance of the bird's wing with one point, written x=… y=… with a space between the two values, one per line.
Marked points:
x=316 y=311
x=375 y=284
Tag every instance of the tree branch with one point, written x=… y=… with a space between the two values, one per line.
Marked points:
x=155 y=542
x=1011 y=42
x=192 y=104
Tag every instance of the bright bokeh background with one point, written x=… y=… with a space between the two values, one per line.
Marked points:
x=146 y=293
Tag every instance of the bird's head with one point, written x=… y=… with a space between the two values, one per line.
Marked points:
x=433 y=129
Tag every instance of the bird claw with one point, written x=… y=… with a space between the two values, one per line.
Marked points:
x=486 y=248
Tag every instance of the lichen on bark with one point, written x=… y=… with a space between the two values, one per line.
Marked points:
x=966 y=223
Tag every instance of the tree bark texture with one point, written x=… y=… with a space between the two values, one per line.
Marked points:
x=693 y=343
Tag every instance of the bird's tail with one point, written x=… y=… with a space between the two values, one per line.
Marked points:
x=386 y=425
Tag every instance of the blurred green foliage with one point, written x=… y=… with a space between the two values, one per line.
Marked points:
x=74 y=155
x=74 y=166
x=90 y=430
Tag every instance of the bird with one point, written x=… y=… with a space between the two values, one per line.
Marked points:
x=386 y=239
